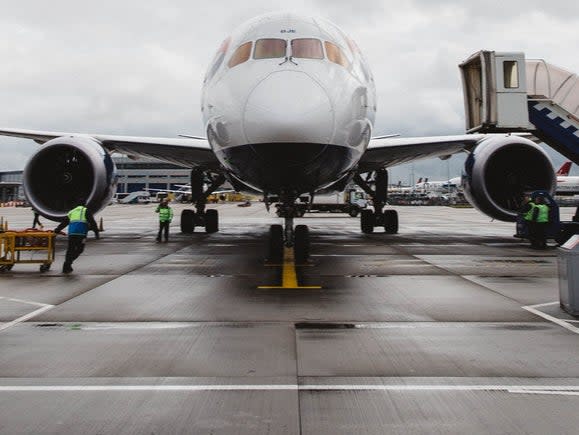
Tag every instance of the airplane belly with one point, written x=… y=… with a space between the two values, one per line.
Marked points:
x=289 y=167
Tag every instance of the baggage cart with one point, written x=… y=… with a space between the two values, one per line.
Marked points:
x=26 y=247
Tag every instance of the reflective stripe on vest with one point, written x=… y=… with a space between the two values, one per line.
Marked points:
x=543 y=215
x=529 y=215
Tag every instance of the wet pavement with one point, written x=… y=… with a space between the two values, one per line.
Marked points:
x=433 y=330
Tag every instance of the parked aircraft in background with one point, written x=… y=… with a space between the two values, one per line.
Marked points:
x=566 y=185
x=289 y=104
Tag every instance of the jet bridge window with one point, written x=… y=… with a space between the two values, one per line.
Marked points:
x=240 y=55
x=307 y=48
x=269 y=48
x=511 y=74
x=336 y=55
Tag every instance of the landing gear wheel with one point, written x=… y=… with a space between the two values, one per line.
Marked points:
x=367 y=221
x=6 y=267
x=187 y=221
x=275 y=244
x=301 y=244
x=391 y=221
x=353 y=212
x=211 y=221
x=44 y=268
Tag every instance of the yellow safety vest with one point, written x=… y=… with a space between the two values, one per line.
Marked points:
x=543 y=215
x=77 y=221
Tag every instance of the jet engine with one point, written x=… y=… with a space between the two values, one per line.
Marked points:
x=65 y=170
x=499 y=172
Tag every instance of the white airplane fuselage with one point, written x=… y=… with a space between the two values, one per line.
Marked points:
x=289 y=104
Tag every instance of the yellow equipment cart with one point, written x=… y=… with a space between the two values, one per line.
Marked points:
x=26 y=247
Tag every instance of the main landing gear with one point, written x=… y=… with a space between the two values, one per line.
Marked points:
x=378 y=217
x=201 y=217
x=287 y=236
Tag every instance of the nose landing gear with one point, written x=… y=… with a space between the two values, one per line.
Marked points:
x=287 y=236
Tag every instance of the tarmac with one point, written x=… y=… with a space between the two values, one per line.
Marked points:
x=451 y=326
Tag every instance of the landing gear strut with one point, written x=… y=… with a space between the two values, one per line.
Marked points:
x=379 y=217
x=287 y=236
x=201 y=217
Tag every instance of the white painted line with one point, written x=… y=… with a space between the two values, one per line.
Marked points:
x=531 y=389
x=25 y=317
x=149 y=388
x=554 y=393
x=38 y=304
x=560 y=322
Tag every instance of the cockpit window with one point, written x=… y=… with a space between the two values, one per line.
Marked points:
x=336 y=55
x=307 y=48
x=217 y=60
x=269 y=48
x=240 y=55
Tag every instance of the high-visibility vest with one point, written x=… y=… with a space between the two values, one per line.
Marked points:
x=528 y=216
x=78 y=224
x=165 y=214
x=543 y=215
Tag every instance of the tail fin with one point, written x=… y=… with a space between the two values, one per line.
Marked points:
x=564 y=169
x=419 y=180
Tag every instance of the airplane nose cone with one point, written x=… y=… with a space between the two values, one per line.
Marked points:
x=288 y=106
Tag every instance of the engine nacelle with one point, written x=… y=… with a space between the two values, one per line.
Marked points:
x=65 y=170
x=499 y=172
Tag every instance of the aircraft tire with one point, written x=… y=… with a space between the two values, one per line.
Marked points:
x=301 y=243
x=391 y=221
x=367 y=221
x=275 y=244
x=211 y=221
x=187 y=221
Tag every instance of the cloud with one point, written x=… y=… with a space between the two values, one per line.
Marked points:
x=136 y=67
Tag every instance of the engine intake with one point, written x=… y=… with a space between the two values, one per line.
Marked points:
x=501 y=170
x=65 y=170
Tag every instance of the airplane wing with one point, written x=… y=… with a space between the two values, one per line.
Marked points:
x=187 y=152
x=385 y=152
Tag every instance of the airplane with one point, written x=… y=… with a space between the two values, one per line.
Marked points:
x=566 y=185
x=289 y=104
x=452 y=183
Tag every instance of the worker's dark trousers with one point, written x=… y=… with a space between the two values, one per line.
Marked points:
x=163 y=228
x=537 y=235
x=75 y=248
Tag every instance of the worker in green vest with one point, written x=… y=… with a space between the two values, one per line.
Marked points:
x=536 y=214
x=165 y=218
x=79 y=220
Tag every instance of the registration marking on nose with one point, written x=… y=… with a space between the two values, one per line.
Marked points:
x=289 y=274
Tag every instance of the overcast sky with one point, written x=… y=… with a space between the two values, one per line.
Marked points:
x=136 y=67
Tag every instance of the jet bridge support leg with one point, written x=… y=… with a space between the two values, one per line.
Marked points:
x=379 y=217
x=201 y=217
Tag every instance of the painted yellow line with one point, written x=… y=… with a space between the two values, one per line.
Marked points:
x=289 y=275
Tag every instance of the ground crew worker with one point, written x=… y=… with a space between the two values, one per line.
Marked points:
x=79 y=220
x=165 y=218
x=540 y=219
x=36 y=220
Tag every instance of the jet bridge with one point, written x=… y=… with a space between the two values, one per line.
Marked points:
x=504 y=92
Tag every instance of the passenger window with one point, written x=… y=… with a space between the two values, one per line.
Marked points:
x=240 y=55
x=307 y=48
x=269 y=48
x=335 y=54
x=510 y=74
